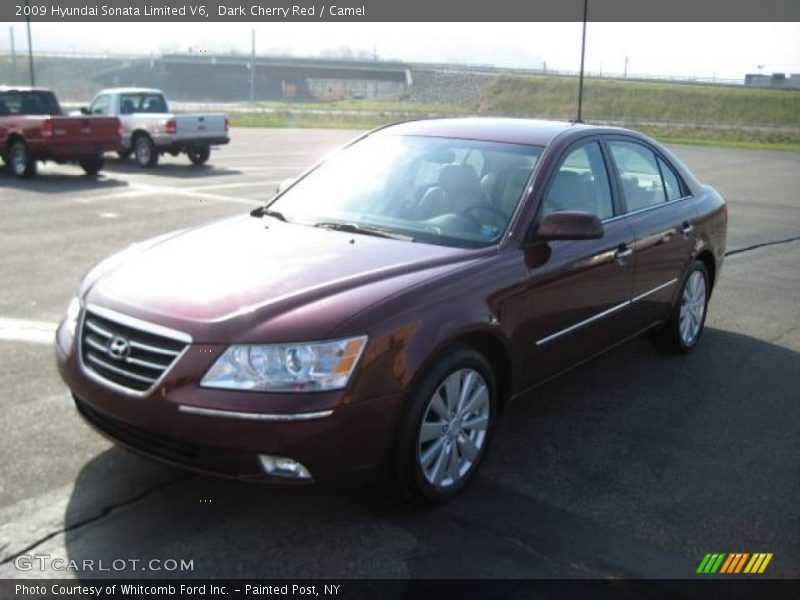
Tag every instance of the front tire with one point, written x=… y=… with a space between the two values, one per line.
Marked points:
x=446 y=428
x=682 y=330
x=20 y=161
x=145 y=152
x=199 y=156
x=92 y=164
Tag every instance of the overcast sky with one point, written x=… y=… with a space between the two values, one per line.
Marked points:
x=724 y=50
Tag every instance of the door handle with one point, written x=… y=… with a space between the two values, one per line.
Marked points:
x=623 y=253
x=688 y=228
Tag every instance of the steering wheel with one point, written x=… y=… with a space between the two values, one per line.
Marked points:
x=486 y=207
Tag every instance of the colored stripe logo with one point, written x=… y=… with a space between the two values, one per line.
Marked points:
x=733 y=563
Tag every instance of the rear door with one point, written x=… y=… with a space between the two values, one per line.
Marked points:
x=662 y=216
x=578 y=291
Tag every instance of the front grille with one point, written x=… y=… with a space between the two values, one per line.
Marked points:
x=225 y=462
x=141 y=357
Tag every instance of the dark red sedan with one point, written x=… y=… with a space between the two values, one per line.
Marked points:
x=381 y=311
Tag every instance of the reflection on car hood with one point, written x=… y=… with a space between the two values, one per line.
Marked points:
x=247 y=266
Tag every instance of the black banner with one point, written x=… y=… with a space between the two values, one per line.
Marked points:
x=388 y=589
x=398 y=11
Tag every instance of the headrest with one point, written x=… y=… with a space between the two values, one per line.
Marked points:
x=456 y=177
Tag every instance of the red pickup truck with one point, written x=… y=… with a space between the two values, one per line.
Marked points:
x=34 y=128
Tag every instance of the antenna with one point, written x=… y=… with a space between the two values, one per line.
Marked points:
x=583 y=56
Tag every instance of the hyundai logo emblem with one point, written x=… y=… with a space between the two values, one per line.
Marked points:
x=118 y=348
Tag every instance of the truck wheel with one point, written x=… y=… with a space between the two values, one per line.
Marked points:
x=124 y=154
x=145 y=151
x=92 y=164
x=199 y=156
x=22 y=164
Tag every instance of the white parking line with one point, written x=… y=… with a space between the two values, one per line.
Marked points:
x=219 y=186
x=136 y=190
x=158 y=189
x=24 y=330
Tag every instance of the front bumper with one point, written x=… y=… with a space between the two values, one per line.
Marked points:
x=348 y=441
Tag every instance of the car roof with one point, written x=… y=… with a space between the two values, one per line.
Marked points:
x=537 y=132
x=130 y=90
x=23 y=88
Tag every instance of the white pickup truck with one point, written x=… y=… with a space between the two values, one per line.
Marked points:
x=149 y=129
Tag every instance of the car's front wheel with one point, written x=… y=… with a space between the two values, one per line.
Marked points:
x=681 y=332
x=446 y=428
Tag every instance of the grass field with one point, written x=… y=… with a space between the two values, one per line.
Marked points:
x=694 y=114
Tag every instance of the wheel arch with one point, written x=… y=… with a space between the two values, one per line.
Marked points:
x=706 y=256
x=487 y=342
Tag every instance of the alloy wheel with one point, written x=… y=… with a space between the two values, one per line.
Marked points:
x=454 y=428
x=693 y=308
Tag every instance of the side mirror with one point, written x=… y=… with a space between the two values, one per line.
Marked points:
x=569 y=225
x=85 y=110
x=285 y=184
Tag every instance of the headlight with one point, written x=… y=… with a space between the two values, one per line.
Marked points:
x=65 y=334
x=286 y=367
x=73 y=311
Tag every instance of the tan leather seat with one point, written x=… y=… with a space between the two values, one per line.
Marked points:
x=458 y=188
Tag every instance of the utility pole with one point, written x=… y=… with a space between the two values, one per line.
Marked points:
x=583 y=56
x=13 y=56
x=625 y=74
x=253 y=68
x=30 y=48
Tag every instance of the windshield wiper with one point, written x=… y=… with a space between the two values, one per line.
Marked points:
x=263 y=211
x=363 y=229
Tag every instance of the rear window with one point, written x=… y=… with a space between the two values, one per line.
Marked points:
x=28 y=103
x=142 y=103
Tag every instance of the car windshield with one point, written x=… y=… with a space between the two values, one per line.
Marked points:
x=436 y=190
x=142 y=103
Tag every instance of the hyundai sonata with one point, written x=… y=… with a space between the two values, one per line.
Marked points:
x=381 y=312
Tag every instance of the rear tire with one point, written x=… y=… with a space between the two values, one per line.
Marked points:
x=124 y=154
x=145 y=152
x=446 y=428
x=19 y=160
x=199 y=156
x=682 y=330
x=92 y=164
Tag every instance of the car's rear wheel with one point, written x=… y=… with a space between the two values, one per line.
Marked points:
x=145 y=151
x=92 y=164
x=199 y=156
x=446 y=428
x=21 y=163
x=681 y=332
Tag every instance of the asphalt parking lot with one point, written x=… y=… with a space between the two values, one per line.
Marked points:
x=636 y=464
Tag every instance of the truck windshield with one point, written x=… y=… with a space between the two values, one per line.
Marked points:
x=21 y=102
x=142 y=103
x=436 y=190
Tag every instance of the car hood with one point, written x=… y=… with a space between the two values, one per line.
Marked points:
x=223 y=281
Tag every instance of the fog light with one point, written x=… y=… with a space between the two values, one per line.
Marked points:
x=280 y=466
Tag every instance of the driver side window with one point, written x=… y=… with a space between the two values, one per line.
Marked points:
x=100 y=105
x=580 y=183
